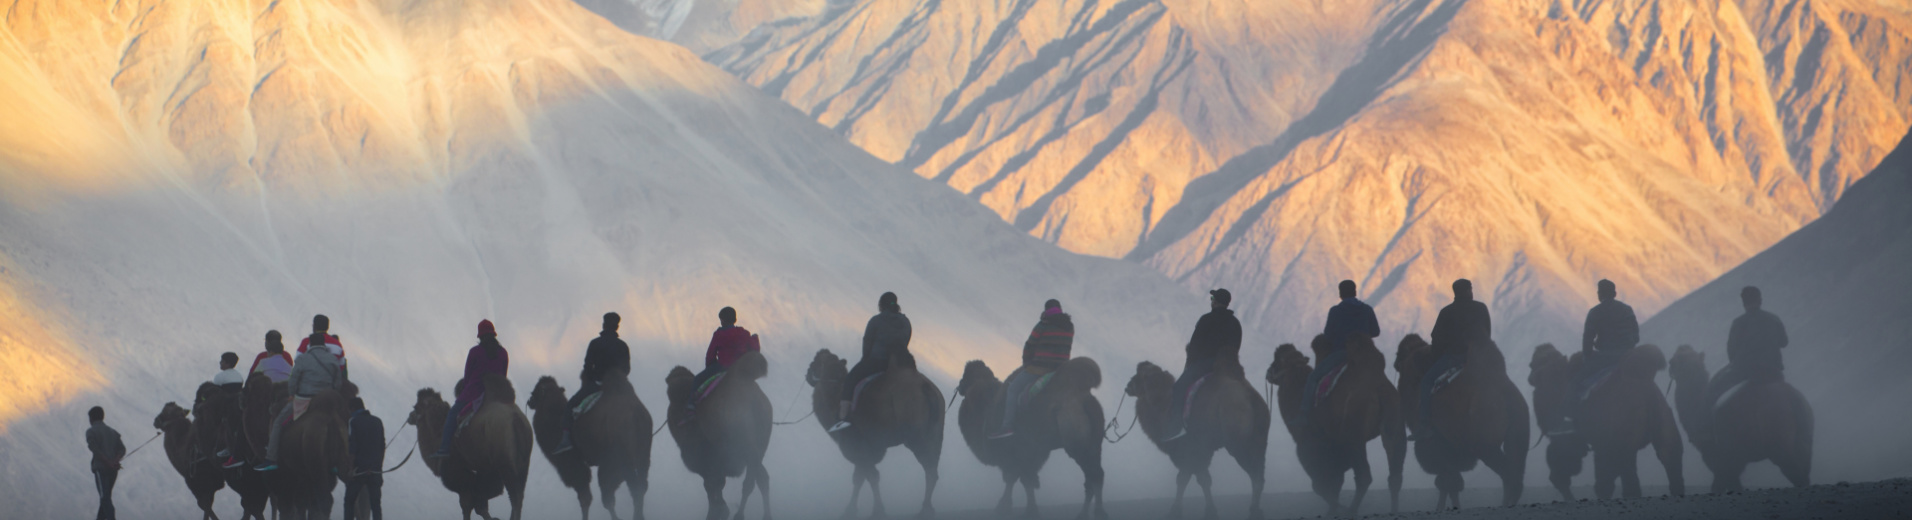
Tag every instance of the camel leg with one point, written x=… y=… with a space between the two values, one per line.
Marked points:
x=857 y=476
x=714 y=492
x=1797 y=467
x=1008 y=485
x=750 y=486
x=763 y=485
x=1252 y=461
x=1511 y=470
x=1448 y=486
x=1181 y=485
x=1629 y=473
x=1363 y=477
x=876 y=493
x=638 y=484
x=1672 y=455
x=1029 y=484
x=928 y=456
x=1088 y=456
x=1605 y=470
x=584 y=503
x=1208 y=494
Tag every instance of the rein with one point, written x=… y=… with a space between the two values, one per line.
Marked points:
x=141 y=445
x=793 y=403
x=1117 y=421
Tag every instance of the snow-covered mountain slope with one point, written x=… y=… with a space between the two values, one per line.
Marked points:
x=1843 y=287
x=1276 y=147
x=182 y=176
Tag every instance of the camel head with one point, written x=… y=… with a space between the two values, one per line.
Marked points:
x=1410 y=357
x=1548 y=365
x=1149 y=380
x=974 y=372
x=169 y=414
x=677 y=384
x=1687 y=364
x=1289 y=363
x=546 y=394
x=429 y=404
x=826 y=367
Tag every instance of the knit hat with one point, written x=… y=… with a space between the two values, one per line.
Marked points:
x=486 y=330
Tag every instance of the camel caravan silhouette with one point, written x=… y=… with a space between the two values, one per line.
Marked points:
x=1454 y=396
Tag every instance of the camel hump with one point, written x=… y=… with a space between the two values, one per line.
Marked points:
x=1642 y=362
x=1364 y=356
x=498 y=389
x=751 y=367
x=1078 y=375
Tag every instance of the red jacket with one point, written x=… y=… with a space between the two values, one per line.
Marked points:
x=332 y=340
x=728 y=344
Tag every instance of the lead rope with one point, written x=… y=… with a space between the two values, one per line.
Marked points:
x=141 y=445
x=793 y=404
x=1117 y=420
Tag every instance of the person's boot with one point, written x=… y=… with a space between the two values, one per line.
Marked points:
x=1565 y=428
x=564 y=443
x=843 y=411
x=269 y=465
x=232 y=462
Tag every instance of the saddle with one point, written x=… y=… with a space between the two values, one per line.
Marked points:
x=1188 y=400
x=856 y=395
x=1328 y=382
x=465 y=414
x=1591 y=382
x=1446 y=377
x=586 y=404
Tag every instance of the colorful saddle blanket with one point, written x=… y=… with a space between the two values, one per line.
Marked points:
x=1328 y=382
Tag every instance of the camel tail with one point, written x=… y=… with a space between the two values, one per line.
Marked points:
x=1079 y=373
x=751 y=367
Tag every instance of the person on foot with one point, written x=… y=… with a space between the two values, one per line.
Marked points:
x=1459 y=325
x=487 y=358
x=1610 y=332
x=107 y=450
x=1045 y=351
x=365 y=439
x=604 y=356
x=886 y=336
x=315 y=370
x=1347 y=320
x=1752 y=353
x=275 y=363
x=728 y=343
x=1216 y=343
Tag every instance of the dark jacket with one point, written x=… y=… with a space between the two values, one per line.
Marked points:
x=365 y=436
x=1217 y=340
x=1753 y=343
x=605 y=353
x=105 y=444
x=1049 y=343
x=1459 y=324
x=1611 y=327
x=887 y=334
x=1348 y=318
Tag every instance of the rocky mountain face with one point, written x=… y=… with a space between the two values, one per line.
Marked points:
x=1277 y=147
x=182 y=176
x=1842 y=287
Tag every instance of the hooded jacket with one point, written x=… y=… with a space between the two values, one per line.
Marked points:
x=315 y=371
x=605 y=353
x=728 y=344
x=1049 y=343
x=888 y=333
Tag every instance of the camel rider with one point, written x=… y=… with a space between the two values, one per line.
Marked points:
x=1611 y=331
x=605 y=355
x=1349 y=319
x=727 y=344
x=1046 y=350
x=229 y=380
x=1459 y=325
x=487 y=358
x=886 y=336
x=315 y=370
x=275 y=363
x=1215 y=344
x=1752 y=351
x=331 y=341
